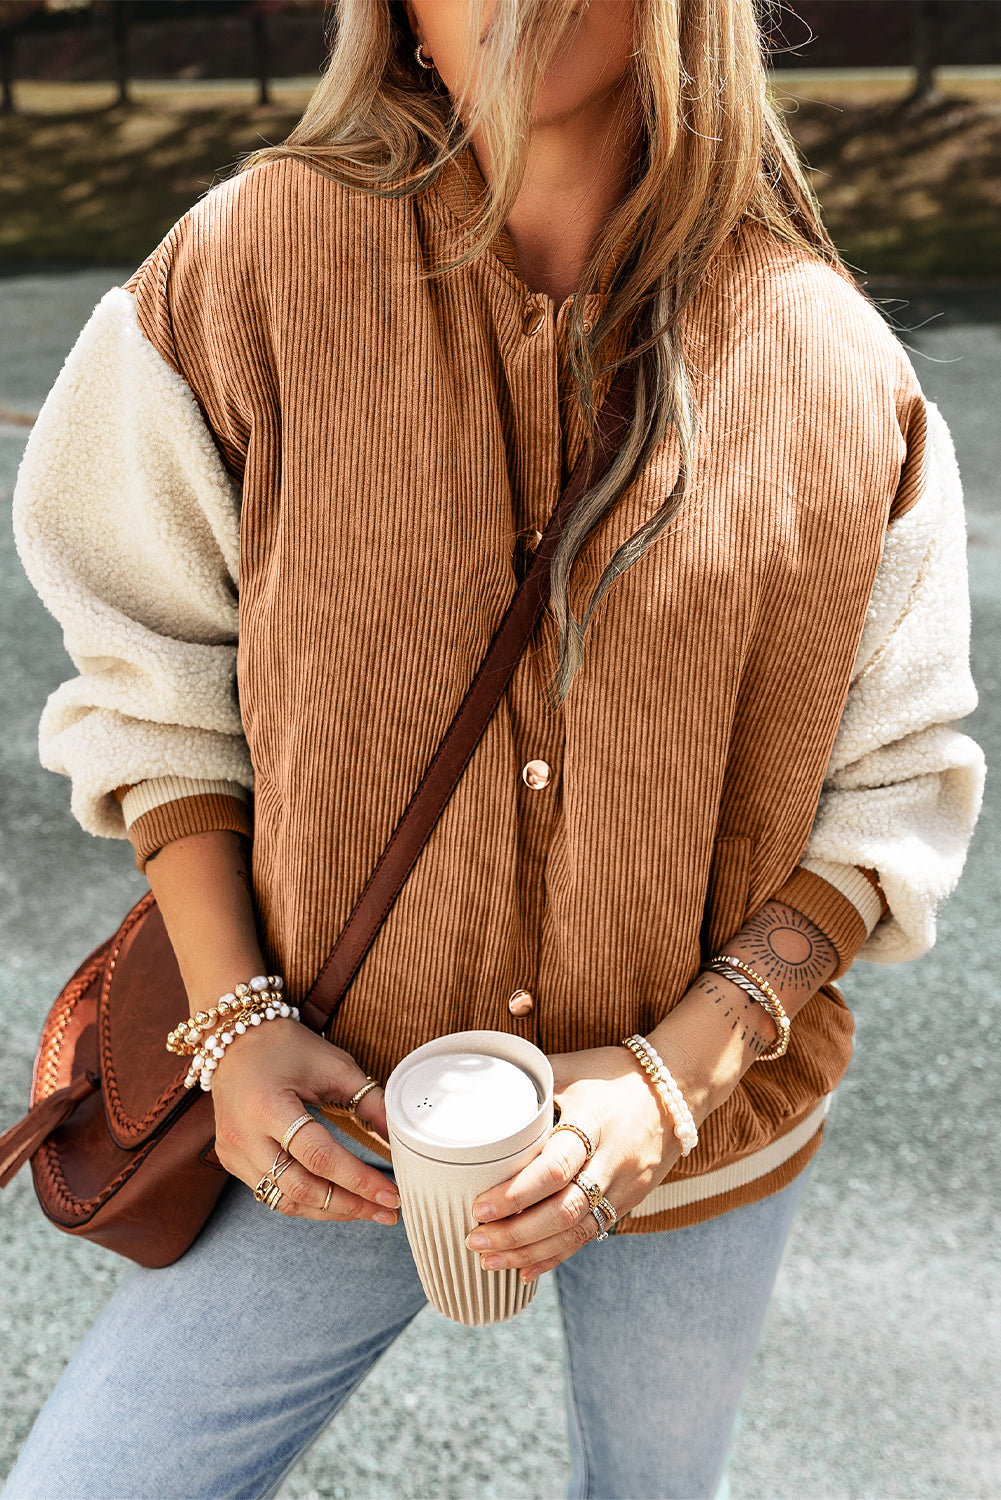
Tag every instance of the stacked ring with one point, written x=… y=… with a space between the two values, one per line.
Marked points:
x=295 y=1125
x=267 y=1190
x=593 y=1191
x=599 y=1219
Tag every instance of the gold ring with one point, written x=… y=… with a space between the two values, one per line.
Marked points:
x=326 y=1201
x=264 y=1187
x=274 y=1196
x=581 y=1135
x=278 y=1166
x=593 y=1191
x=296 y=1125
x=359 y=1095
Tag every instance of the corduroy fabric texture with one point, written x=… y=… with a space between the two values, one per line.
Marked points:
x=396 y=443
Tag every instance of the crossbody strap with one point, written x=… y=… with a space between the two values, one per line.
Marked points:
x=466 y=729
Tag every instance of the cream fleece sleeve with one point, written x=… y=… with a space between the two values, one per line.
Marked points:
x=903 y=788
x=127 y=524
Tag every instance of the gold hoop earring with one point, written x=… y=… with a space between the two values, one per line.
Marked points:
x=420 y=58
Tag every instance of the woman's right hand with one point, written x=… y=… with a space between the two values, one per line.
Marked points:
x=264 y=1083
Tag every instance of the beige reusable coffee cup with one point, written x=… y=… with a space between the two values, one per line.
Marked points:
x=465 y=1112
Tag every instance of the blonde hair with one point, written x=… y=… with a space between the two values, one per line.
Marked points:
x=714 y=151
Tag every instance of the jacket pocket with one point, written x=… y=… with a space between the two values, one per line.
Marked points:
x=726 y=896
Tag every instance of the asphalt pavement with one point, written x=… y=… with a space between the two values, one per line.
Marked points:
x=878 y=1373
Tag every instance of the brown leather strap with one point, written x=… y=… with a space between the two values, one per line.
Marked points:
x=23 y=1139
x=464 y=733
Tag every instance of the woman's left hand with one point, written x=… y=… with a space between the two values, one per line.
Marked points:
x=540 y=1217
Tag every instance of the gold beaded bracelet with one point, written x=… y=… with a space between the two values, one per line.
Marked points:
x=187 y=1036
x=264 y=1006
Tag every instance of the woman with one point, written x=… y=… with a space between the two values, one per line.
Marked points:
x=355 y=377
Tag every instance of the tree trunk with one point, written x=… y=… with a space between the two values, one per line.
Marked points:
x=121 y=17
x=924 y=49
x=259 y=22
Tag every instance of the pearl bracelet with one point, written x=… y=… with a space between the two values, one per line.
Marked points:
x=187 y=1035
x=205 y=1061
x=668 y=1091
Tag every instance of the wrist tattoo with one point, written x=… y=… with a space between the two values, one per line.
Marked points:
x=738 y=1009
x=792 y=953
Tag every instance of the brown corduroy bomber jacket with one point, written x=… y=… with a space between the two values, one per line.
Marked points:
x=371 y=458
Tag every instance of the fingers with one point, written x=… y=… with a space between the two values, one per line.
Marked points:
x=316 y=1163
x=372 y=1112
x=552 y=1230
x=560 y=1159
x=546 y=1255
x=540 y=1217
x=304 y=1195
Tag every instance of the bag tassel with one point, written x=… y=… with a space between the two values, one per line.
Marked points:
x=22 y=1140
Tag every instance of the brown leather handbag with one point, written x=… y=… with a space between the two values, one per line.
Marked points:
x=121 y=1153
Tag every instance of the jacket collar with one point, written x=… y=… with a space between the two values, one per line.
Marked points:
x=461 y=188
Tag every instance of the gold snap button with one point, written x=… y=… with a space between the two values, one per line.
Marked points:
x=534 y=319
x=536 y=774
x=521 y=1003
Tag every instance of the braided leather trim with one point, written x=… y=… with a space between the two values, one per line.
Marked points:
x=45 y=1076
x=126 y=1131
x=60 y=1202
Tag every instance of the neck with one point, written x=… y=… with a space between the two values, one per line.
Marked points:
x=578 y=170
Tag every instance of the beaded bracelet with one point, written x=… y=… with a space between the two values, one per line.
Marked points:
x=752 y=983
x=187 y=1035
x=668 y=1091
x=205 y=1061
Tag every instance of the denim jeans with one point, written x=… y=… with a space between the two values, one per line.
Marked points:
x=660 y=1331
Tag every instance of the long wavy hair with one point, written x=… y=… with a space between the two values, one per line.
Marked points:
x=714 y=152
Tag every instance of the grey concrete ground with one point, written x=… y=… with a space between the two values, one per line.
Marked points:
x=878 y=1372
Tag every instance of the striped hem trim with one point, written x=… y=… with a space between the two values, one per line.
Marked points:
x=853 y=885
x=672 y=1195
x=146 y=796
x=773 y=1168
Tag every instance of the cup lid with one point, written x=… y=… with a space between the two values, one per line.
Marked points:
x=473 y=1096
x=466 y=1099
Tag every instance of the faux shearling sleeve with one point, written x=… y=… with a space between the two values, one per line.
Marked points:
x=127 y=523
x=903 y=788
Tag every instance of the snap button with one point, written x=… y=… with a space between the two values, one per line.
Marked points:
x=534 y=319
x=532 y=540
x=536 y=774
x=521 y=1003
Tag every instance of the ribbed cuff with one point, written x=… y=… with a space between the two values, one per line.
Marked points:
x=828 y=908
x=159 y=811
x=874 y=881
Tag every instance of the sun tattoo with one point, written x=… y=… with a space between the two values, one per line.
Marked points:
x=788 y=948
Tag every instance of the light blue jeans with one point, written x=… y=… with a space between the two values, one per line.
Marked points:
x=660 y=1333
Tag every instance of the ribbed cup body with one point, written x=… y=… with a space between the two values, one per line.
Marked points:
x=439 y=1184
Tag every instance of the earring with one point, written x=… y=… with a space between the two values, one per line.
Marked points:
x=420 y=58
